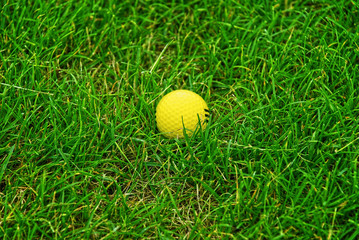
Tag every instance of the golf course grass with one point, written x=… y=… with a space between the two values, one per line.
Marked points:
x=81 y=156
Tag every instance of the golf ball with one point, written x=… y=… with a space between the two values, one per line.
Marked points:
x=181 y=110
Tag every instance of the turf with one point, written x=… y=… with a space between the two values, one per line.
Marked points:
x=80 y=154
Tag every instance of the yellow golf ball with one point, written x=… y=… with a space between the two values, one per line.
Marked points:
x=179 y=110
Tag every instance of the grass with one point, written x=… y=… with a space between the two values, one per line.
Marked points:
x=80 y=154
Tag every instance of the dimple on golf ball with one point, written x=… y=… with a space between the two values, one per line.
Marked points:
x=181 y=110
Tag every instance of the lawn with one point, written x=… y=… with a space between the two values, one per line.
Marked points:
x=80 y=154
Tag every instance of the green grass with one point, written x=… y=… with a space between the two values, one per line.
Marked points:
x=80 y=154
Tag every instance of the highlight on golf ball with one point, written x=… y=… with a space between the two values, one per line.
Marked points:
x=179 y=111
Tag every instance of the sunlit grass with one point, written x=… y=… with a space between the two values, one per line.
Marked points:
x=81 y=157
